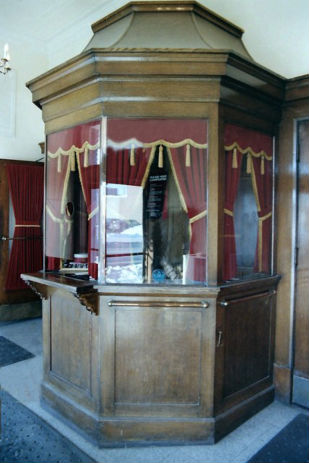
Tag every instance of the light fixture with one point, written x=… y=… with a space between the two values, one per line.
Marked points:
x=4 y=62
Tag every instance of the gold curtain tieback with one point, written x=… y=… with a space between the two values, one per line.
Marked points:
x=234 y=159
x=160 y=162
x=265 y=217
x=198 y=217
x=93 y=213
x=262 y=166
x=260 y=242
x=228 y=212
x=132 y=156
x=35 y=225
x=188 y=156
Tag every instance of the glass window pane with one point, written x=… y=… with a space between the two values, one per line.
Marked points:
x=156 y=201
x=72 y=200
x=248 y=204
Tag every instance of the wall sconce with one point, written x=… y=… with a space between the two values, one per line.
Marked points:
x=4 y=62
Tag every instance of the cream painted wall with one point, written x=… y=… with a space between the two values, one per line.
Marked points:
x=28 y=60
x=276 y=36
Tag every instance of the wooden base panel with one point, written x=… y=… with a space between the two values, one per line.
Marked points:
x=120 y=431
x=124 y=431
x=231 y=419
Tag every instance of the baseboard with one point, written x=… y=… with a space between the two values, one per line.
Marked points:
x=120 y=431
x=11 y=312
x=300 y=391
x=283 y=383
x=234 y=417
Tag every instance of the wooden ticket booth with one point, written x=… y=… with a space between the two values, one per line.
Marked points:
x=159 y=282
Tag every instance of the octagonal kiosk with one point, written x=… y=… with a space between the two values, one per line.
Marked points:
x=158 y=279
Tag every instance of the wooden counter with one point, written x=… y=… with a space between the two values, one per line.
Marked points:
x=156 y=363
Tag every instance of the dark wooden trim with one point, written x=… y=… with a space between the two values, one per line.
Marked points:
x=297 y=89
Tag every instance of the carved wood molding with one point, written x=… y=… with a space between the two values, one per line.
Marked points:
x=39 y=289
x=89 y=300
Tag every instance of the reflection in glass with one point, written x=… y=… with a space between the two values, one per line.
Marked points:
x=72 y=200
x=246 y=225
x=124 y=234
x=156 y=202
x=247 y=203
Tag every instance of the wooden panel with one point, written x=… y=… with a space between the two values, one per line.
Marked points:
x=301 y=360
x=157 y=358
x=296 y=107
x=247 y=342
x=71 y=340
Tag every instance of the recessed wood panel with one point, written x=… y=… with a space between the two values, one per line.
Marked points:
x=301 y=354
x=71 y=336
x=157 y=356
x=247 y=343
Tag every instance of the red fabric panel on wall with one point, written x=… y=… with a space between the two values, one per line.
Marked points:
x=26 y=189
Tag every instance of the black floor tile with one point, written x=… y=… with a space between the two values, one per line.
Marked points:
x=290 y=445
x=11 y=352
x=25 y=437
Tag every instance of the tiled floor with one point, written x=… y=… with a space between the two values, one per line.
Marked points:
x=22 y=381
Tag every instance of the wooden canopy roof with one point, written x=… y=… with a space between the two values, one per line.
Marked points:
x=167 y=25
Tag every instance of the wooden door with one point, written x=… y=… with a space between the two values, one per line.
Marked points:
x=301 y=332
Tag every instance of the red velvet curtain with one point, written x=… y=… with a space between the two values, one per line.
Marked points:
x=120 y=171
x=59 y=167
x=263 y=179
x=56 y=226
x=257 y=147
x=26 y=190
x=232 y=175
x=191 y=180
x=90 y=180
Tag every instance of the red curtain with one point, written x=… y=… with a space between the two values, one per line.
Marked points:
x=90 y=180
x=26 y=190
x=120 y=171
x=257 y=147
x=263 y=180
x=56 y=225
x=59 y=166
x=232 y=175
x=191 y=180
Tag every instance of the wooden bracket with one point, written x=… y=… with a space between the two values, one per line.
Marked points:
x=90 y=300
x=41 y=290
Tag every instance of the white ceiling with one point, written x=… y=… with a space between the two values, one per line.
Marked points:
x=42 y=20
